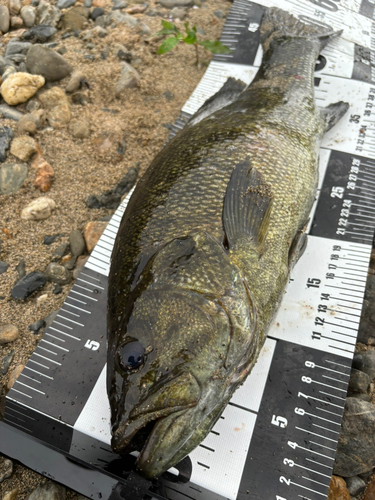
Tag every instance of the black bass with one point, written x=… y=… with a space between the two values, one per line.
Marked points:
x=205 y=249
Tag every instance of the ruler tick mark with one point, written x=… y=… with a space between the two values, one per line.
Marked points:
x=66 y=334
x=51 y=360
x=25 y=385
x=35 y=371
x=71 y=320
x=315 y=434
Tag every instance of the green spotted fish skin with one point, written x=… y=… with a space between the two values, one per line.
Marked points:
x=205 y=248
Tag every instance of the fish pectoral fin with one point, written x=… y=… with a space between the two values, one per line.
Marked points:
x=297 y=247
x=228 y=93
x=332 y=113
x=247 y=206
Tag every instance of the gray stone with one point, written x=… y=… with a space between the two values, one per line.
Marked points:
x=28 y=15
x=358 y=381
x=21 y=268
x=12 y=177
x=70 y=263
x=169 y=4
x=14 y=7
x=46 y=62
x=17 y=58
x=87 y=3
x=75 y=19
x=361 y=396
x=98 y=11
x=178 y=13
x=17 y=47
x=65 y=4
x=365 y=361
x=129 y=78
x=27 y=285
x=6 y=470
x=75 y=81
x=355 y=449
x=33 y=105
x=10 y=69
x=119 y=4
x=50 y=319
x=37 y=326
x=77 y=242
x=40 y=33
x=101 y=21
x=60 y=250
x=6 y=136
x=121 y=18
x=11 y=113
x=4 y=366
x=219 y=13
x=4 y=19
x=355 y=485
x=3 y=267
x=48 y=491
x=48 y=14
x=3 y=64
x=57 y=274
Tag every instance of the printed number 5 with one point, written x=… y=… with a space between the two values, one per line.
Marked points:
x=279 y=421
x=92 y=344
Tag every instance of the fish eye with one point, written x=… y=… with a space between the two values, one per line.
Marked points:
x=130 y=355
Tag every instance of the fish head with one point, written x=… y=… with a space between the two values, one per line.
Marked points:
x=167 y=376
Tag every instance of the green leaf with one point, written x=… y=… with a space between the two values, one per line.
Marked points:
x=168 y=25
x=168 y=29
x=191 y=38
x=215 y=47
x=168 y=45
x=187 y=29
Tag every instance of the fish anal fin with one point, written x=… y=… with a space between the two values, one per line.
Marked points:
x=333 y=113
x=247 y=206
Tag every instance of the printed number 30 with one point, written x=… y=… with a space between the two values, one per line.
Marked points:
x=92 y=344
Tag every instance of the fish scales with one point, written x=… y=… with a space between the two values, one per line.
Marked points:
x=205 y=248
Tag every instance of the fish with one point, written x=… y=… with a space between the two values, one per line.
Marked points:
x=206 y=246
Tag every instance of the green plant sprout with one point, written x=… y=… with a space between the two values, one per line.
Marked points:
x=169 y=28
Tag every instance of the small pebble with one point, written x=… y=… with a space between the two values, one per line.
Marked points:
x=60 y=250
x=80 y=129
x=32 y=105
x=28 y=15
x=23 y=147
x=48 y=14
x=58 y=108
x=38 y=209
x=50 y=239
x=11 y=113
x=57 y=274
x=6 y=135
x=6 y=470
x=14 y=375
x=15 y=46
x=4 y=365
x=358 y=381
x=178 y=13
x=40 y=33
x=370 y=489
x=119 y=4
x=51 y=318
x=62 y=50
x=92 y=233
x=4 y=19
x=12 y=177
x=219 y=13
x=75 y=81
x=169 y=4
x=65 y=4
x=11 y=495
x=14 y=7
x=37 y=326
x=129 y=79
x=98 y=11
x=16 y=22
x=69 y=264
x=337 y=489
x=42 y=299
x=19 y=87
x=355 y=485
x=8 y=333
x=57 y=290
x=44 y=177
x=80 y=264
x=21 y=268
x=77 y=242
x=28 y=284
x=3 y=267
x=48 y=63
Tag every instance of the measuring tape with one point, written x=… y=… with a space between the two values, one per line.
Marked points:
x=277 y=437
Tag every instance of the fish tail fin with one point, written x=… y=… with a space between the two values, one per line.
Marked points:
x=277 y=23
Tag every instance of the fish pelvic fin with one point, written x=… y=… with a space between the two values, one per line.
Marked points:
x=277 y=23
x=247 y=206
x=333 y=113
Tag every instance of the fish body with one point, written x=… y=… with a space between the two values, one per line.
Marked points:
x=205 y=248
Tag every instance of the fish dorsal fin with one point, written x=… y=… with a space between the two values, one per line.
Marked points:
x=332 y=113
x=247 y=206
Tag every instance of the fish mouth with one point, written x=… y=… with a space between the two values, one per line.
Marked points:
x=146 y=438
